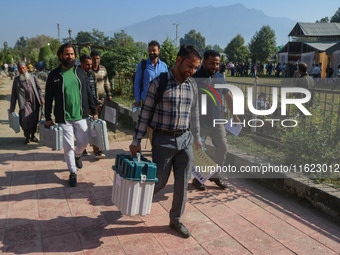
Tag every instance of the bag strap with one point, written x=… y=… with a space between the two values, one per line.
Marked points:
x=160 y=91
x=162 y=86
x=143 y=63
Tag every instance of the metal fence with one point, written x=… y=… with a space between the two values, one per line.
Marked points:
x=326 y=97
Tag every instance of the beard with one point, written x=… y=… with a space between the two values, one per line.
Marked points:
x=153 y=56
x=24 y=77
x=211 y=73
x=68 y=63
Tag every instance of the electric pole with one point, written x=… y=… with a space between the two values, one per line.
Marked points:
x=176 y=32
x=58 y=26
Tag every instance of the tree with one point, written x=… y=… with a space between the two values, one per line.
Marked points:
x=236 y=50
x=120 y=39
x=39 y=41
x=99 y=37
x=208 y=47
x=5 y=45
x=45 y=55
x=168 y=52
x=54 y=45
x=21 y=43
x=336 y=16
x=8 y=59
x=21 y=46
x=195 y=39
x=323 y=20
x=33 y=56
x=83 y=51
x=122 y=62
x=142 y=45
x=263 y=44
x=84 y=37
x=217 y=48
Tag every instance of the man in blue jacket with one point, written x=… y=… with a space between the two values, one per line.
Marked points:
x=67 y=86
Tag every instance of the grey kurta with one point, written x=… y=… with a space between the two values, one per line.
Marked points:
x=29 y=96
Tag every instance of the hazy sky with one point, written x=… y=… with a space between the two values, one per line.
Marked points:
x=36 y=17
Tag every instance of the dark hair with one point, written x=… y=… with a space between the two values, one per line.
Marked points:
x=84 y=57
x=210 y=53
x=66 y=45
x=189 y=50
x=303 y=67
x=95 y=53
x=154 y=43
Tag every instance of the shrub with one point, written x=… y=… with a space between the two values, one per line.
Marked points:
x=315 y=140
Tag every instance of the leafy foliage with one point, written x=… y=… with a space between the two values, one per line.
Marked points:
x=39 y=41
x=217 y=48
x=45 y=53
x=168 y=52
x=315 y=143
x=121 y=62
x=336 y=16
x=120 y=39
x=236 y=50
x=263 y=44
x=323 y=20
x=142 y=46
x=83 y=51
x=99 y=37
x=50 y=60
x=33 y=56
x=54 y=45
x=194 y=38
x=84 y=37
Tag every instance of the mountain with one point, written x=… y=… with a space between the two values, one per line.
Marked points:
x=217 y=24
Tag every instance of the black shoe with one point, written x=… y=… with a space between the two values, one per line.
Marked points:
x=79 y=163
x=27 y=140
x=34 y=139
x=84 y=153
x=198 y=185
x=219 y=182
x=72 y=181
x=181 y=229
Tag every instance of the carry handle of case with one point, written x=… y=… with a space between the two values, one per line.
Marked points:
x=138 y=156
x=42 y=113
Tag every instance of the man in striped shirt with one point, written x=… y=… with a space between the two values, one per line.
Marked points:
x=169 y=118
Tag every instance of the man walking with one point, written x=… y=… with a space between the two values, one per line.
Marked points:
x=305 y=81
x=27 y=91
x=147 y=70
x=86 y=64
x=207 y=77
x=67 y=86
x=168 y=110
x=102 y=90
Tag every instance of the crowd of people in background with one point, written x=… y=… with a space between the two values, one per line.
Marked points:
x=282 y=70
x=11 y=70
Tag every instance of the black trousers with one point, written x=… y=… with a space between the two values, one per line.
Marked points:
x=29 y=133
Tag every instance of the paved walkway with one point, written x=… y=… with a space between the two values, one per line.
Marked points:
x=40 y=214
